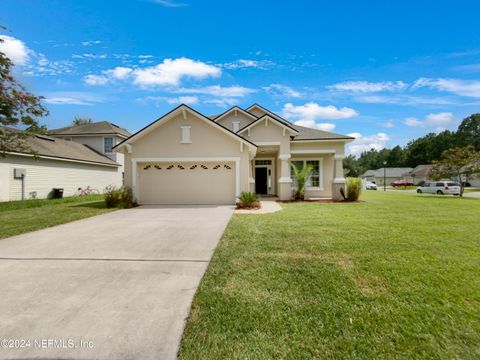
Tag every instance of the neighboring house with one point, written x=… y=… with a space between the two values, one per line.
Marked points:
x=101 y=136
x=418 y=174
x=185 y=157
x=58 y=164
x=392 y=174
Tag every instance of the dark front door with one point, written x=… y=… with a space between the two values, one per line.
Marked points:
x=261 y=180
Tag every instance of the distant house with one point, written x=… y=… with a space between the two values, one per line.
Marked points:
x=418 y=174
x=101 y=136
x=390 y=174
x=59 y=164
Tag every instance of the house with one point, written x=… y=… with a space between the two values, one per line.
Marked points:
x=185 y=157
x=57 y=163
x=100 y=136
x=418 y=174
x=390 y=174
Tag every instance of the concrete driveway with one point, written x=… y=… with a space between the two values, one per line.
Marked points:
x=115 y=286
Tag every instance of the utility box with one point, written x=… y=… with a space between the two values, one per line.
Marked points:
x=19 y=173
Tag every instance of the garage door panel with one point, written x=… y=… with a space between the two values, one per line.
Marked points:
x=186 y=183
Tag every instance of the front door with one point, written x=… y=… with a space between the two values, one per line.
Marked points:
x=261 y=180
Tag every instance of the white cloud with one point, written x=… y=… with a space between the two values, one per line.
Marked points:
x=72 y=98
x=217 y=90
x=96 y=79
x=407 y=100
x=169 y=73
x=440 y=119
x=170 y=100
x=388 y=124
x=365 y=143
x=470 y=88
x=172 y=71
x=169 y=3
x=314 y=125
x=242 y=63
x=413 y=122
x=312 y=111
x=365 y=86
x=91 y=42
x=15 y=50
x=282 y=91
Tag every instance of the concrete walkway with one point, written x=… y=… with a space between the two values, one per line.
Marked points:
x=115 y=286
x=268 y=205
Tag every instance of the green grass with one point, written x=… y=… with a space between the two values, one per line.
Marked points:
x=413 y=187
x=17 y=217
x=472 y=189
x=393 y=277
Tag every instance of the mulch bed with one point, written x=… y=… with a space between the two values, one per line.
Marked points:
x=320 y=201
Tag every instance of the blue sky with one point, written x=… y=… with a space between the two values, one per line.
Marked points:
x=384 y=71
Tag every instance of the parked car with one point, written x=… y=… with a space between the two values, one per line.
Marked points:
x=440 y=188
x=403 y=183
x=370 y=185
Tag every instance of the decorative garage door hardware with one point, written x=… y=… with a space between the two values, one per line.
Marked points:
x=193 y=167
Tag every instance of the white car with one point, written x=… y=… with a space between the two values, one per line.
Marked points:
x=370 y=185
x=440 y=188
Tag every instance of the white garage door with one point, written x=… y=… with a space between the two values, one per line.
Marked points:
x=186 y=183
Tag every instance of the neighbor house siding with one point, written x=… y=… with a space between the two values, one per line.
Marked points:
x=42 y=175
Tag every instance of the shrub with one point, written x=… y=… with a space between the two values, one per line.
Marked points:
x=354 y=188
x=302 y=174
x=248 y=200
x=421 y=183
x=118 y=197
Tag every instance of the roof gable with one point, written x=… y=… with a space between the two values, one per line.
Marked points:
x=234 y=109
x=173 y=113
x=265 y=112
x=267 y=117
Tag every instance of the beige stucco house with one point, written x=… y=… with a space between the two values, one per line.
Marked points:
x=185 y=157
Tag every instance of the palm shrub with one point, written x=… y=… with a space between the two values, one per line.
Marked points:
x=248 y=200
x=301 y=176
x=354 y=188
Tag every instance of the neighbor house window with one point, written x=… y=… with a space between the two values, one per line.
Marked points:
x=108 y=145
x=236 y=126
x=186 y=135
x=314 y=180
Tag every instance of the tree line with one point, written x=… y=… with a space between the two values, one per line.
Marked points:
x=423 y=150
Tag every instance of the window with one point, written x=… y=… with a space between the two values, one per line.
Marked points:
x=108 y=145
x=236 y=126
x=315 y=177
x=263 y=162
x=186 y=135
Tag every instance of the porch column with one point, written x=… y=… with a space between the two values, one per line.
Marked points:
x=284 y=182
x=339 y=179
x=251 y=180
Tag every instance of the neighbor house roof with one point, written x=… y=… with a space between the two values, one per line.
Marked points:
x=392 y=172
x=419 y=171
x=96 y=128
x=50 y=147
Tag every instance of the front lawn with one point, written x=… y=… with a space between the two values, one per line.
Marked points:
x=17 y=217
x=393 y=277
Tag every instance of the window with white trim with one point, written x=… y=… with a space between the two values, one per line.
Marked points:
x=108 y=145
x=236 y=126
x=315 y=176
x=186 y=135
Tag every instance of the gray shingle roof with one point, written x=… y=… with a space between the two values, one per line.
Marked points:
x=305 y=133
x=96 y=128
x=44 y=145
x=420 y=171
x=393 y=172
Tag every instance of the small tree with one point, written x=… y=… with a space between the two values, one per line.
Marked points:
x=457 y=163
x=79 y=120
x=302 y=174
x=18 y=108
